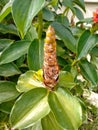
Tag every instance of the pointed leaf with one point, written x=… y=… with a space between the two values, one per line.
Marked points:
x=30 y=80
x=6 y=10
x=66 y=109
x=51 y=121
x=7 y=91
x=89 y=71
x=29 y=108
x=35 y=55
x=9 y=69
x=65 y=35
x=24 y=12
x=14 y=51
x=86 y=42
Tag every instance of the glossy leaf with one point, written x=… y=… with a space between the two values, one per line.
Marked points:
x=30 y=80
x=24 y=12
x=8 y=29
x=6 y=10
x=35 y=55
x=65 y=35
x=66 y=109
x=49 y=123
x=14 y=51
x=89 y=71
x=66 y=79
x=9 y=69
x=31 y=107
x=7 y=91
x=86 y=42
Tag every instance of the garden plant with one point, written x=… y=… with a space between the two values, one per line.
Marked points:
x=48 y=65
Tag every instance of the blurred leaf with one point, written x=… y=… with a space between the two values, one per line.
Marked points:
x=60 y=50
x=24 y=12
x=65 y=35
x=48 y=15
x=68 y=3
x=7 y=91
x=66 y=80
x=31 y=107
x=79 y=13
x=6 y=10
x=5 y=43
x=31 y=34
x=94 y=51
x=86 y=42
x=30 y=80
x=6 y=107
x=77 y=31
x=80 y=3
x=9 y=69
x=14 y=51
x=35 y=55
x=66 y=109
x=36 y=126
x=62 y=19
x=10 y=28
x=89 y=71
x=54 y=2
x=49 y=123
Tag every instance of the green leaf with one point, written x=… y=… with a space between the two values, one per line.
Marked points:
x=7 y=91
x=30 y=80
x=31 y=34
x=65 y=35
x=66 y=109
x=69 y=4
x=80 y=3
x=9 y=69
x=86 y=42
x=6 y=107
x=48 y=15
x=29 y=108
x=94 y=51
x=35 y=55
x=66 y=80
x=14 y=51
x=79 y=13
x=6 y=10
x=10 y=28
x=51 y=121
x=5 y=43
x=89 y=71
x=36 y=126
x=24 y=12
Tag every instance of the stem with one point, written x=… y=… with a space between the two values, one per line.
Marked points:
x=40 y=24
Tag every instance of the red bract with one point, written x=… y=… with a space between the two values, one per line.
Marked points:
x=95 y=16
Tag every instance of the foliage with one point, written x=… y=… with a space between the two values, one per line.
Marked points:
x=25 y=102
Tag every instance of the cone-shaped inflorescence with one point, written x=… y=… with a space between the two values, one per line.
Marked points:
x=50 y=65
